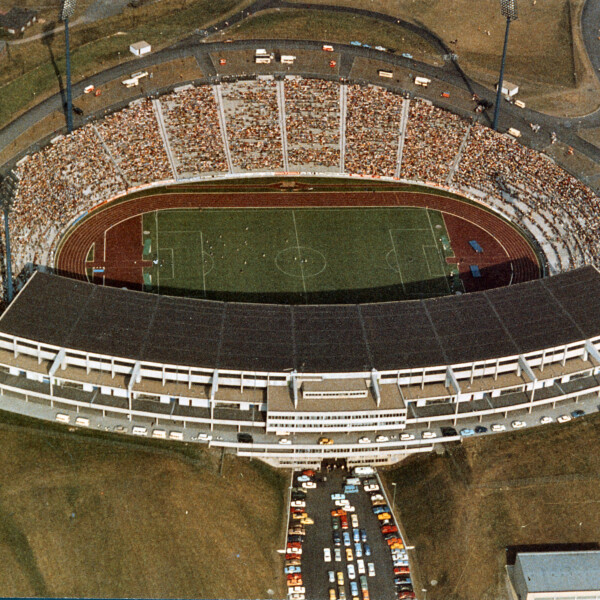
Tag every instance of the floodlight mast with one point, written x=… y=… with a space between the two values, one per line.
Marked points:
x=8 y=188
x=508 y=8
x=67 y=12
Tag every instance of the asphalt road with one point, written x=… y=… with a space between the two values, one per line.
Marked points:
x=319 y=536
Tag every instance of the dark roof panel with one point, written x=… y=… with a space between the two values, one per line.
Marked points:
x=331 y=338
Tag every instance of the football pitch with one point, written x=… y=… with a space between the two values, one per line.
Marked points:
x=300 y=255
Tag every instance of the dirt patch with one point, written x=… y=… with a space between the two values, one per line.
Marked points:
x=88 y=517
x=463 y=509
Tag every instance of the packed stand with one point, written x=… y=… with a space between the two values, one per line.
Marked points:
x=58 y=183
x=133 y=138
x=312 y=111
x=372 y=131
x=253 y=131
x=431 y=143
x=192 y=123
x=494 y=163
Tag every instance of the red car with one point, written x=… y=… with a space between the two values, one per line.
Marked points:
x=297 y=509
x=406 y=595
x=389 y=529
x=344 y=521
x=308 y=472
x=401 y=570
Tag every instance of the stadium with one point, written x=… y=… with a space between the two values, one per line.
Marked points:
x=265 y=264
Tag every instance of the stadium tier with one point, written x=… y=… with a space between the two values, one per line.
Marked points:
x=73 y=350
x=206 y=371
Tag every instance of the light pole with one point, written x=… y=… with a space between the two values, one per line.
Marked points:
x=8 y=188
x=509 y=10
x=67 y=12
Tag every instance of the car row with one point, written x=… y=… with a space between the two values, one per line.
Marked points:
x=299 y=519
x=394 y=541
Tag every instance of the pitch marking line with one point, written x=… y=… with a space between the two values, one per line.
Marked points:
x=299 y=253
x=202 y=261
x=157 y=252
x=172 y=263
x=397 y=260
x=443 y=270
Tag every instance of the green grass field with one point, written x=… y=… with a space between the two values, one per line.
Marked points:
x=298 y=256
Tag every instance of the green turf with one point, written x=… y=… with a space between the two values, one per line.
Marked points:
x=298 y=255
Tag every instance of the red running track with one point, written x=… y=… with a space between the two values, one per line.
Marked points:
x=507 y=258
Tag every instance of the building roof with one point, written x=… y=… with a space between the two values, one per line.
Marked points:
x=310 y=338
x=560 y=571
x=16 y=18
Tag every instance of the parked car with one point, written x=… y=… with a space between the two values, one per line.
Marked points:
x=351 y=570
x=448 y=431
x=358 y=550
x=371 y=569
x=546 y=420
x=498 y=427
x=340 y=578
x=406 y=437
x=367 y=549
x=354 y=589
x=295 y=569
x=465 y=432
x=364 y=440
x=346 y=537
x=307 y=521
x=372 y=487
x=427 y=435
x=355 y=535
x=325 y=441
x=335 y=497
x=564 y=418
x=577 y=413
x=298 y=503
x=354 y=520
x=518 y=424
x=389 y=529
x=337 y=540
x=349 y=555
x=363 y=536
x=285 y=441
x=331 y=576
x=309 y=485
x=360 y=566
x=377 y=510
x=480 y=429
x=384 y=516
x=382 y=438
x=326 y=555
x=303 y=478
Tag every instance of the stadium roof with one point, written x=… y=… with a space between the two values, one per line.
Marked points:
x=560 y=571
x=313 y=338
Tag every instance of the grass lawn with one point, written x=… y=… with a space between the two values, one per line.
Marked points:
x=297 y=255
x=84 y=515
x=461 y=510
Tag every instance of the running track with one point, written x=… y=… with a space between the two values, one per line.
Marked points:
x=507 y=258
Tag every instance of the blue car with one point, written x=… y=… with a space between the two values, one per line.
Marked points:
x=356 y=535
x=354 y=588
x=363 y=536
x=367 y=549
x=347 y=541
x=466 y=432
x=358 y=550
x=377 y=510
x=577 y=413
x=289 y=570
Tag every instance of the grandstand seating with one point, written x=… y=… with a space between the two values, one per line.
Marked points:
x=207 y=131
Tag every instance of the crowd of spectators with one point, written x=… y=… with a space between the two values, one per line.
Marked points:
x=431 y=142
x=133 y=138
x=192 y=123
x=101 y=160
x=312 y=113
x=373 y=123
x=493 y=163
x=253 y=129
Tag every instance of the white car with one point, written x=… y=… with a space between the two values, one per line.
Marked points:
x=405 y=437
x=204 y=437
x=377 y=497
x=546 y=420
x=518 y=424
x=331 y=576
x=354 y=521
x=371 y=568
x=285 y=441
x=298 y=503
x=360 y=565
x=327 y=556
x=364 y=440
x=382 y=438
x=309 y=485
x=351 y=571
x=337 y=553
x=427 y=435
x=498 y=427
x=372 y=487
x=341 y=502
x=564 y=418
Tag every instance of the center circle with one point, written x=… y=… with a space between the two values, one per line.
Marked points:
x=301 y=262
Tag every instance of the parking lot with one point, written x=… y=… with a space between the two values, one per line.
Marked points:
x=318 y=539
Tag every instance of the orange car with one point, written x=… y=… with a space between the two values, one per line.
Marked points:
x=339 y=512
x=384 y=516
